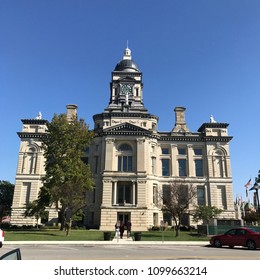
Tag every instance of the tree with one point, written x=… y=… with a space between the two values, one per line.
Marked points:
x=251 y=217
x=205 y=213
x=35 y=209
x=6 y=198
x=67 y=177
x=176 y=198
x=257 y=179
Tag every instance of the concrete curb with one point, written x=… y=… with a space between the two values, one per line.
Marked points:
x=112 y=242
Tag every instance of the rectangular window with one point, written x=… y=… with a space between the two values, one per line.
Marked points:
x=91 y=218
x=125 y=163
x=25 y=194
x=199 y=167
x=155 y=194
x=165 y=151
x=197 y=152
x=166 y=194
x=201 y=195
x=124 y=193
x=182 y=167
x=165 y=167
x=221 y=196
x=181 y=151
x=153 y=164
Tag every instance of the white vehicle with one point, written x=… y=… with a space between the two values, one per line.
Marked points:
x=2 y=237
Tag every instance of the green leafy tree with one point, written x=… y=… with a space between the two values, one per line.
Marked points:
x=35 y=209
x=6 y=198
x=67 y=176
x=205 y=213
x=176 y=199
x=251 y=217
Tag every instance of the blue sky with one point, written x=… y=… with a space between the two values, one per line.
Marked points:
x=203 y=55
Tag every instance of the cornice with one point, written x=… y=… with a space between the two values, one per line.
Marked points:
x=212 y=125
x=169 y=138
x=31 y=135
x=34 y=121
x=124 y=115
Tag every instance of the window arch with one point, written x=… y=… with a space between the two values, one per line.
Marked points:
x=29 y=162
x=219 y=162
x=125 y=148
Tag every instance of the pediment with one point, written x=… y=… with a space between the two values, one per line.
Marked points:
x=126 y=127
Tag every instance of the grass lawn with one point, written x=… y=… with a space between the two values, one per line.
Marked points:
x=81 y=235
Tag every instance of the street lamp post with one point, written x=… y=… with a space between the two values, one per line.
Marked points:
x=256 y=188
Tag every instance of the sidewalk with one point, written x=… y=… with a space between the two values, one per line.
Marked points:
x=114 y=242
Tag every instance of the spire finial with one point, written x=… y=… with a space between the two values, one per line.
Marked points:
x=127 y=52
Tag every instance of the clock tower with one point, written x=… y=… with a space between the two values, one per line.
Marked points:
x=126 y=86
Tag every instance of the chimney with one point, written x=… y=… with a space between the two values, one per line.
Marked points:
x=71 y=111
x=180 y=123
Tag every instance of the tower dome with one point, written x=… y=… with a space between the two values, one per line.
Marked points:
x=127 y=64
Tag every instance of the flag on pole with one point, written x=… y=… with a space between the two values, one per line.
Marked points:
x=247 y=185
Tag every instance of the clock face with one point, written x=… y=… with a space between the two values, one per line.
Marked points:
x=126 y=88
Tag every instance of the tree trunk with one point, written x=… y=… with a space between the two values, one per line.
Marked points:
x=177 y=231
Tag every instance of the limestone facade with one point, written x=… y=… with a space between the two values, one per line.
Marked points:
x=131 y=160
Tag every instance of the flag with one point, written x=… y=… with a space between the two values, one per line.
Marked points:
x=248 y=183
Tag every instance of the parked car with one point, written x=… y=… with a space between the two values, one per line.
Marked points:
x=12 y=255
x=245 y=237
x=2 y=238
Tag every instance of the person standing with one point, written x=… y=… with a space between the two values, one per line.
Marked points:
x=128 y=228
x=117 y=228
x=122 y=229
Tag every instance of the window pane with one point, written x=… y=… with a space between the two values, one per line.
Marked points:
x=199 y=167
x=182 y=167
x=120 y=193
x=124 y=163
x=201 y=195
x=125 y=147
x=182 y=151
x=165 y=151
x=127 y=194
x=165 y=167
x=130 y=165
x=119 y=164
x=198 y=152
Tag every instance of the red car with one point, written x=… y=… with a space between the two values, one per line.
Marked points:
x=245 y=237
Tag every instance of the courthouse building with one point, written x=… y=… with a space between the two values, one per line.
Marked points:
x=131 y=160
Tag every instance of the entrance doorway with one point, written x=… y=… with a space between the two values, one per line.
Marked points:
x=124 y=217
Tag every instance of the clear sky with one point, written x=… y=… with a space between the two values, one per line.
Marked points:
x=203 y=55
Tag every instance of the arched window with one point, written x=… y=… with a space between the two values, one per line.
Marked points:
x=125 y=158
x=29 y=161
x=219 y=163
